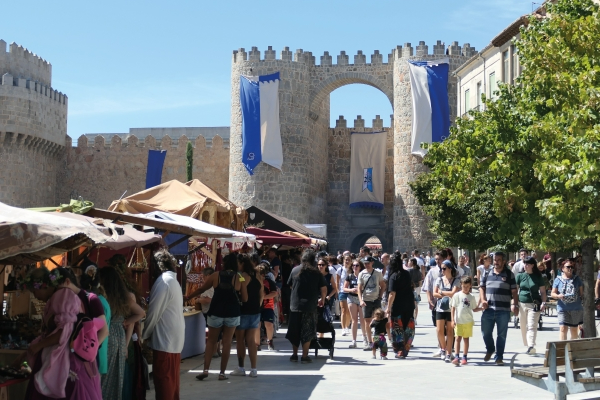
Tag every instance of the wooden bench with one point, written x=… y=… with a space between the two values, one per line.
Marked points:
x=568 y=368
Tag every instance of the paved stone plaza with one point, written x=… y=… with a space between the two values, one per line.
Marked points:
x=352 y=374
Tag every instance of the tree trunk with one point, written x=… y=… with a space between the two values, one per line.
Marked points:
x=589 y=284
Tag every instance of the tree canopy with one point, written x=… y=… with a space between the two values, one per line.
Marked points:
x=526 y=169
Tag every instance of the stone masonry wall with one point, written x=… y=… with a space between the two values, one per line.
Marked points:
x=410 y=223
x=28 y=171
x=101 y=172
x=348 y=228
x=33 y=127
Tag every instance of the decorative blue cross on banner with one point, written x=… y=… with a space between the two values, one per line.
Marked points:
x=368 y=179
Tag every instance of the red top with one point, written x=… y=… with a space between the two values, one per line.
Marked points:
x=269 y=303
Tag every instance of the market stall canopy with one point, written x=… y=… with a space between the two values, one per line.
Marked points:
x=27 y=236
x=192 y=199
x=260 y=218
x=317 y=242
x=130 y=237
x=269 y=237
x=238 y=239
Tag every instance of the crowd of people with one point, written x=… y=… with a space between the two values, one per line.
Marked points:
x=252 y=295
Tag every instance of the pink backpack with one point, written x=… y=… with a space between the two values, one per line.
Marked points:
x=84 y=338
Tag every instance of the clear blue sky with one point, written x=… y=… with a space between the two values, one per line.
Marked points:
x=167 y=63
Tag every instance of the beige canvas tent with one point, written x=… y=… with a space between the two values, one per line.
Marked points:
x=192 y=199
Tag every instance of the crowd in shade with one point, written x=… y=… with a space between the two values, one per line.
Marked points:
x=90 y=347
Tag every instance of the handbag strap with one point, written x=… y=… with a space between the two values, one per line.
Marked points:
x=368 y=280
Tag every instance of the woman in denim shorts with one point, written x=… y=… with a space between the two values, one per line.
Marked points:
x=224 y=312
x=246 y=332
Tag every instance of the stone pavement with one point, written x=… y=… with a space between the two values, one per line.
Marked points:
x=352 y=374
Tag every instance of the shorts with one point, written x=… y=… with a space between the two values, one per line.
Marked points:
x=370 y=307
x=464 y=330
x=267 y=315
x=353 y=299
x=572 y=318
x=343 y=296
x=417 y=296
x=446 y=315
x=218 y=322
x=250 y=321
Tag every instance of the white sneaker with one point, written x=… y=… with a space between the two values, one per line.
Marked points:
x=253 y=373
x=238 y=372
x=443 y=355
x=531 y=351
x=437 y=353
x=352 y=345
x=344 y=333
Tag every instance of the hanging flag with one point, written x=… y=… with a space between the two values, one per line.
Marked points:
x=261 y=138
x=156 y=160
x=431 y=109
x=367 y=169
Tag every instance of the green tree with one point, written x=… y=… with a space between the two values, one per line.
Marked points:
x=538 y=142
x=189 y=161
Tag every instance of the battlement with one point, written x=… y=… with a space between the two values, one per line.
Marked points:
x=359 y=122
x=22 y=86
x=360 y=58
x=22 y=63
x=112 y=141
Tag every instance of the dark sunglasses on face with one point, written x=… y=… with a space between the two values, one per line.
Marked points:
x=321 y=265
x=356 y=265
x=443 y=269
x=569 y=266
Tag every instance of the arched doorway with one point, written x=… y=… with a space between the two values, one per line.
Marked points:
x=360 y=239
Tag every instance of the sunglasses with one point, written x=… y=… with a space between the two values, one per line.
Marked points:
x=569 y=266
x=321 y=265
x=356 y=265
x=443 y=269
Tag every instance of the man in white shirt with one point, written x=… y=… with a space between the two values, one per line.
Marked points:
x=420 y=262
x=165 y=327
x=463 y=268
x=519 y=266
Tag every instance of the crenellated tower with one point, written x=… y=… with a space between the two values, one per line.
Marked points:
x=33 y=128
x=302 y=191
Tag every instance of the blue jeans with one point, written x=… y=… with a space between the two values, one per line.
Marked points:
x=489 y=318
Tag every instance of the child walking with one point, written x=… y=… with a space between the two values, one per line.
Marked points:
x=463 y=305
x=378 y=325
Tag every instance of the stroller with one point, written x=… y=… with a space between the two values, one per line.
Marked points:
x=324 y=325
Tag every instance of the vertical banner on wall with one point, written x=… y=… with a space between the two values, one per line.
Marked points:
x=261 y=137
x=156 y=160
x=367 y=169
x=431 y=108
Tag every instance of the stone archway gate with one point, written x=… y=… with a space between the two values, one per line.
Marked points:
x=300 y=191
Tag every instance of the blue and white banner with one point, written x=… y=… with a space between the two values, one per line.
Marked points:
x=431 y=109
x=261 y=138
x=367 y=169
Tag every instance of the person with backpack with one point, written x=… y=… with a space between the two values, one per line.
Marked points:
x=224 y=312
x=351 y=289
x=446 y=286
x=164 y=328
x=124 y=312
x=71 y=318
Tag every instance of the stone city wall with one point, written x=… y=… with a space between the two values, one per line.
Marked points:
x=22 y=63
x=348 y=228
x=100 y=171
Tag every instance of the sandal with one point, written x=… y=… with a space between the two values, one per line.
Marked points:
x=202 y=376
x=223 y=377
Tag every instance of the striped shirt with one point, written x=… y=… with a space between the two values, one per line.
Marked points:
x=498 y=288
